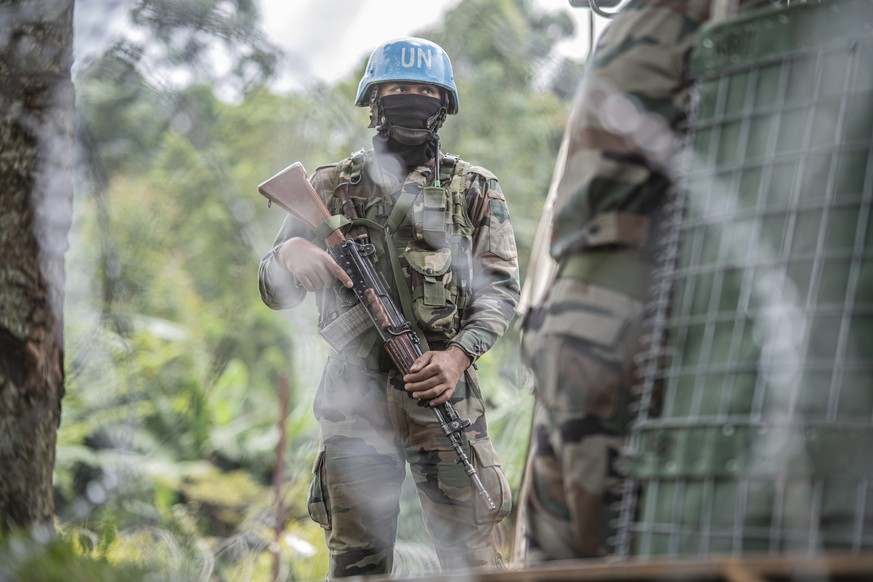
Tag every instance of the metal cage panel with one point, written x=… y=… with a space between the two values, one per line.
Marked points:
x=754 y=425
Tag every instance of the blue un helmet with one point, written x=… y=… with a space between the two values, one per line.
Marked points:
x=413 y=60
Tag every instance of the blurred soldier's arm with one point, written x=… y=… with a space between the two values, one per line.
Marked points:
x=625 y=130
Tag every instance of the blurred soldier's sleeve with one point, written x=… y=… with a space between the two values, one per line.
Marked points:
x=495 y=285
x=624 y=132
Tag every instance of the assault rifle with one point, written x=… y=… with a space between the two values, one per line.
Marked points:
x=291 y=191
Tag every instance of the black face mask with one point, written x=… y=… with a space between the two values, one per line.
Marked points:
x=409 y=118
x=407 y=128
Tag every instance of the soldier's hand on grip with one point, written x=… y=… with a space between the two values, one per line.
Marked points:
x=435 y=374
x=311 y=266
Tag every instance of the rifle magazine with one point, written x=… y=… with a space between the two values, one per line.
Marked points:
x=340 y=332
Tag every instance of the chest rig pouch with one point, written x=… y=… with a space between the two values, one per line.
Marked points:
x=423 y=240
x=436 y=258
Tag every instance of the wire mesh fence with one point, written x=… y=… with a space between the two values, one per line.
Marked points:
x=754 y=420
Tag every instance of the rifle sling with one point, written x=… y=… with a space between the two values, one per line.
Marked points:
x=329 y=225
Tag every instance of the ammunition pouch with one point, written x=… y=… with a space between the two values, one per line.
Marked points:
x=487 y=464
x=433 y=298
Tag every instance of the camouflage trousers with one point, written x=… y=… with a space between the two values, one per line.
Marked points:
x=579 y=344
x=370 y=428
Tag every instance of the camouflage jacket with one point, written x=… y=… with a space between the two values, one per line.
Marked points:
x=626 y=127
x=463 y=281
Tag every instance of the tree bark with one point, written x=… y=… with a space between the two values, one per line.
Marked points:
x=36 y=194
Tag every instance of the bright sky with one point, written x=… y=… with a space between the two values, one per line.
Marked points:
x=326 y=39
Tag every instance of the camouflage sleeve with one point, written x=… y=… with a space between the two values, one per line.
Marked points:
x=276 y=284
x=495 y=285
x=624 y=130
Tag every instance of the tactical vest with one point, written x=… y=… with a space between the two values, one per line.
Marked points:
x=423 y=238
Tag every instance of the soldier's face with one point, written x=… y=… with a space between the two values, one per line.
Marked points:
x=410 y=88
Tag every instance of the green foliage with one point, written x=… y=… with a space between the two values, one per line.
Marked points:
x=188 y=33
x=167 y=447
x=124 y=118
x=26 y=558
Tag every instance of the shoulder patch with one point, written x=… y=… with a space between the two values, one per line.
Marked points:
x=484 y=172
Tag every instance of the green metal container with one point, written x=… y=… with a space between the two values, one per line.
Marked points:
x=755 y=427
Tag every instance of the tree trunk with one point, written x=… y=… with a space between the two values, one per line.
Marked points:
x=36 y=193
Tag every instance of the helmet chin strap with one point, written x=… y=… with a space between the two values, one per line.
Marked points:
x=375 y=107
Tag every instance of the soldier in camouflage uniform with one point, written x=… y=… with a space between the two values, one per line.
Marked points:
x=447 y=249
x=580 y=340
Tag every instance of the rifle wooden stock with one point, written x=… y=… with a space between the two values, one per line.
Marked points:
x=291 y=191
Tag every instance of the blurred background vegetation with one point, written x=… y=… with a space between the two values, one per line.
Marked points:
x=167 y=446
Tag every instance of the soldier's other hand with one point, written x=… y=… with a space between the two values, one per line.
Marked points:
x=435 y=375
x=311 y=266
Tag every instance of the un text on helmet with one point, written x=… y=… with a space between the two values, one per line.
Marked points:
x=408 y=54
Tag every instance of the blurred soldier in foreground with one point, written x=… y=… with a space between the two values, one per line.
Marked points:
x=580 y=339
x=445 y=246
